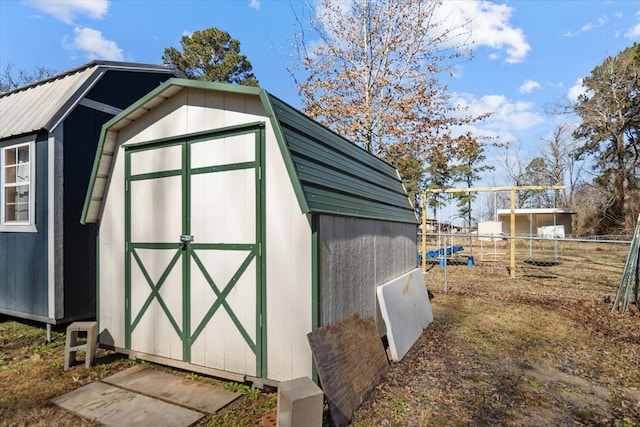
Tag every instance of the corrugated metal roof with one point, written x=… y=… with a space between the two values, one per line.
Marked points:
x=537 y=211
x=44 y=104
x=329 y=174
x=337 y=176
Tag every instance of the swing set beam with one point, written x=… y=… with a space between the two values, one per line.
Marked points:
x=513 y=190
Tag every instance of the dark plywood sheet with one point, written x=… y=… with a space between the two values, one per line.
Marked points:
x=351 y=360
x=196 y=395
x=113 y=406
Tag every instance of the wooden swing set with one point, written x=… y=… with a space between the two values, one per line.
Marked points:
x=512 y=270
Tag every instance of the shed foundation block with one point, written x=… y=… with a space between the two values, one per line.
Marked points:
x=81 y=336
x=300 y=403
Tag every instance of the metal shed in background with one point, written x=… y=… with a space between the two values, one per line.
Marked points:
x=49 y=132
x=530 y=221
x=231 y=225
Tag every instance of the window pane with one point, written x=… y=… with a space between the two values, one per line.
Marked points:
x=10 y=212
x=22 y=174
x=10 y=156
x=15 y=184
x=10 y=195
x=23 y=154
x=10 y=175
x=22 y=194
x=22 y=212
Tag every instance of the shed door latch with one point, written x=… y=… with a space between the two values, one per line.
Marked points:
x=184 y=239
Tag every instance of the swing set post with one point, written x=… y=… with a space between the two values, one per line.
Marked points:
x=423 y=258
x=512 y=270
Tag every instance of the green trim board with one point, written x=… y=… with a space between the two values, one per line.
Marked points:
x=127 y=252
x=315 y=285
x=261 y=228
x=284 y=152
x=98 y=282
x=316 y=158
x=187 y=253
x=199 y=136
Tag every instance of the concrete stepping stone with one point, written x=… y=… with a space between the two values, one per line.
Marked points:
x=192 y=394
x=113 y=406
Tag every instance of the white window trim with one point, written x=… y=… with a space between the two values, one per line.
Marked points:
x=23 y=227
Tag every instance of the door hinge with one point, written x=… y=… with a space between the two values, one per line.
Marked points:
x=259 y=173
x=259 y=249
x=261 y=320
x=126 y=303
x=126 y=186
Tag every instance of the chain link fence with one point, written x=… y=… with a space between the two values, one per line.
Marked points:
x=586 y=269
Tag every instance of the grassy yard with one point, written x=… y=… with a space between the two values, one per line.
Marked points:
x=542 y=349
x=31 y=374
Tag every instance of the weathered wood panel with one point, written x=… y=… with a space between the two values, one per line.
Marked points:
x=351 y=360
x=357 y=255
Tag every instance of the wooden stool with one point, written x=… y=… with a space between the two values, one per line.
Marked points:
x=75 y=343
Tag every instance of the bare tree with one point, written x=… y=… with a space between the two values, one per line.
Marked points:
x=518 y=172
x=560 y=155
x=13 y=78
x=370 y=70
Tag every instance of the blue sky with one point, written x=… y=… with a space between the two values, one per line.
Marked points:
x=528 y=55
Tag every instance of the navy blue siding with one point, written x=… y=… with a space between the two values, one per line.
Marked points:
x=122 y=88
x=23 y=256
x=24 y=281
x=81 y=133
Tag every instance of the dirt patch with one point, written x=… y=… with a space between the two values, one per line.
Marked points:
x=570 y=393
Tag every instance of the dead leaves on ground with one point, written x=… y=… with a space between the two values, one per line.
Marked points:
x=515 y=353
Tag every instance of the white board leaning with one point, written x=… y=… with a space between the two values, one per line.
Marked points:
x=406 y=310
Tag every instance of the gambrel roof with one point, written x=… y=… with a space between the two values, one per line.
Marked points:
x=46 y=103
x=329 y=174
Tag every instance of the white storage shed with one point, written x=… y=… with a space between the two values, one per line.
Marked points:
x=231 y=225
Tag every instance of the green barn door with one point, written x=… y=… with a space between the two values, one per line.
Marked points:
x=194 y=236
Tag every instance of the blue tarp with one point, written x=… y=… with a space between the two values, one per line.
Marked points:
x=441 y=252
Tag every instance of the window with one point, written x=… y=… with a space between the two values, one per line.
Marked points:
x=17 y=185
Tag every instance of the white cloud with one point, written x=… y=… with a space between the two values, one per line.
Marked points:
x=255 y=4
x=633 y=33
x=485 y=24
x=528 y=86
x=67 y=10
x=468 y=23
x=590 y=26
x=576 y=90
x=93 y=43
x=506 y=115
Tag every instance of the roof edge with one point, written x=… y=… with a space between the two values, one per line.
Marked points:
x=197 y=84
x=265 y=97
x=522 y=211
x=98 y=64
